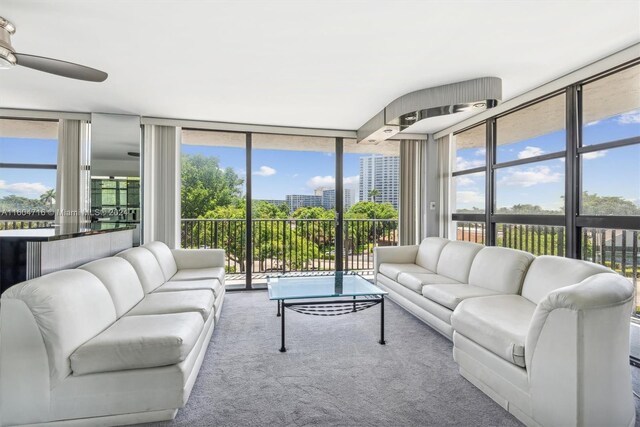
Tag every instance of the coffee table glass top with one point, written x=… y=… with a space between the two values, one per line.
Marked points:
x=335 y=285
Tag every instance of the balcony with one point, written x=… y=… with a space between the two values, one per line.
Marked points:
x=289 y=245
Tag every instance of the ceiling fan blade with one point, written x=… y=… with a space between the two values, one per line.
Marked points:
x=61 y=68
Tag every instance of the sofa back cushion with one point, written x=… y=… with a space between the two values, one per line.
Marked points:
x=120 y=279
x=146 y=266
x=70 y=307
x=165 y=258
x=548 y=273
x=456 y=258
x=500 y=269
x=429 y=252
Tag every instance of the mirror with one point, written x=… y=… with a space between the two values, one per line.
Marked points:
x=115 y=170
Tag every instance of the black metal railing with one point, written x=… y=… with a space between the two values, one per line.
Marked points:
x=284 y=245
x=615 y=248
x=536 y=239
x=470 y=231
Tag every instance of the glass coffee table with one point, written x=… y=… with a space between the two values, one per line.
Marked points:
x=328 y=295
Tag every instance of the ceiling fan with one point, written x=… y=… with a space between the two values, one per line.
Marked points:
x=9 y=58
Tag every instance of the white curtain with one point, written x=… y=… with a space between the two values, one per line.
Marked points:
x=444 y=179
x=73 y=176
x=161 y=184
x=412 y=191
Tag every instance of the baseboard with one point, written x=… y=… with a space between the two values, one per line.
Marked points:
x=113 y=420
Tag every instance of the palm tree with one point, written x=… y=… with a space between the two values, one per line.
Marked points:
x=373 y=194
x=49 y=197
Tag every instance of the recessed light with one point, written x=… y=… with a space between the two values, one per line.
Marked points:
x=479 y=105
x=388 y=130
x=410 y=118
x=133 y=153
x=372 y=140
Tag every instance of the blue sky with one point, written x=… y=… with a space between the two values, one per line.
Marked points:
x=277 y=173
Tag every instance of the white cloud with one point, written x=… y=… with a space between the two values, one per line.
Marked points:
x=352 y=180
x=469 y=197
x=630 y=118
x=593 y=123
x=464 y=181
x=294 y=175
x=462 y=164
x=321 y=181
x=530 y=152
x=29 y=189
x=531 y=176
x=481 y=152
x=265 y=171
x=594 y=155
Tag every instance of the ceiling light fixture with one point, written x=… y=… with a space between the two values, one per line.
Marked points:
x=133 y=153
x=479 y=105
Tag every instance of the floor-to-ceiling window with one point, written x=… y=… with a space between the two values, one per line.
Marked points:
x=213 y=196
x=28 y=158
x=371 y=177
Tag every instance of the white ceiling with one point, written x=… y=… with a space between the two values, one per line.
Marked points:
x=325 y=64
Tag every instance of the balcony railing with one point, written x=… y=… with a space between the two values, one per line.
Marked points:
x=285 y=245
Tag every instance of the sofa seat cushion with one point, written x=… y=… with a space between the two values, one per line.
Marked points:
x=135 y=342
x=498 y=323
x=199 y=301
x=392 y=270
x=213 y=285
x=450 y=295
x=415 y=281
x=199 y=274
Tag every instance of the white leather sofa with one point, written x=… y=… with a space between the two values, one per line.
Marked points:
x=546 y=337
x=116 y=341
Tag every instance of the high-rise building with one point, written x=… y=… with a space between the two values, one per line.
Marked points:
x=296 y=201
x=329 y=198
x=381 y=173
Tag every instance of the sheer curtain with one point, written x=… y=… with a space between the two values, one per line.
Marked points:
x=444 y=179
x=161 y=184
x=412 y=201
x=73 y=176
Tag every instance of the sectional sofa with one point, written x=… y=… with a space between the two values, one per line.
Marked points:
x=119 y=340
x=546 y=337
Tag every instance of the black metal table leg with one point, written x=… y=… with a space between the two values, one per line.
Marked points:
x=354 y=304
x=278 y=315
x=282 y=347
x=382 y=341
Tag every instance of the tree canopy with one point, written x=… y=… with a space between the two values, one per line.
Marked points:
x=205 y=186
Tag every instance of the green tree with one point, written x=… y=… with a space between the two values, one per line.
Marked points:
x=205 y=186
x=592 y=204
x=371 y=210
x=48 y=198
x=315 y=212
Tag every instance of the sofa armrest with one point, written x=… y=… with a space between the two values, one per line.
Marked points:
x=198 y=258
x=577 y=354
x=24 y=366
x=395 y=254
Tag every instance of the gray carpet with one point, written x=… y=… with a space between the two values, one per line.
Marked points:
x=334 y=373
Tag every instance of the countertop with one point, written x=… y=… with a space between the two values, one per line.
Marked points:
x=57 y=233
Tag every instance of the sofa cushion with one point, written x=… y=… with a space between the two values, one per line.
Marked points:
x=70 y=307
x=146 y=265
x=498 y=323
x=451 y=295
x=200 y=301
x=192 y=285
x=392 y=270
x=415 y=281
x=135 y=342
x=120 y=279
x=548 y=273
x=164 y=256
x=199 y=274
x=429 y=252
x=456 y=258
x=500 y=269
